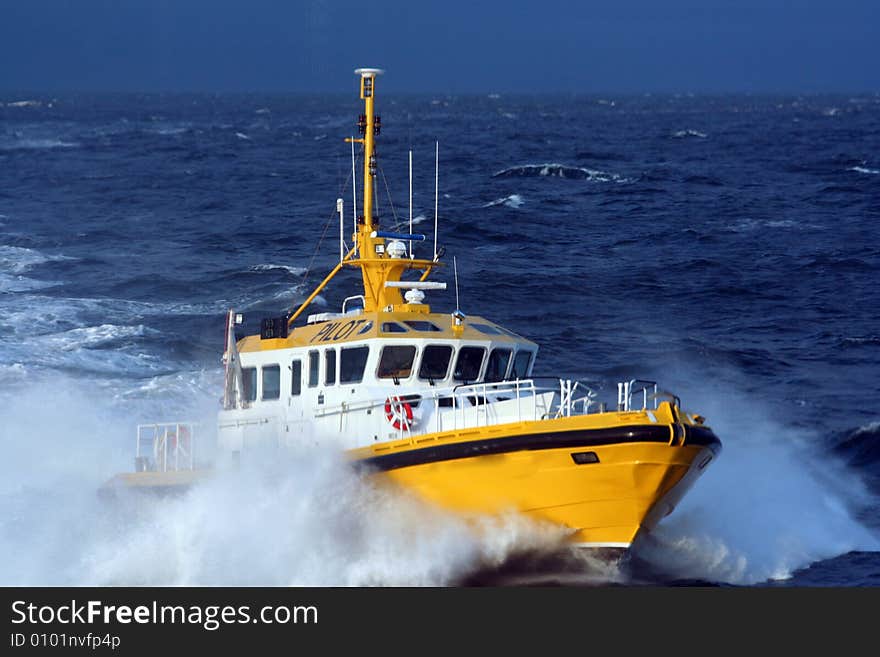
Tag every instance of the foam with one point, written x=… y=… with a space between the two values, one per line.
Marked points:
x=512 y=201
x=864 y=170
x=302 y=518
x=682 y=134
x=296 y=271
x=17 y=259
x=775 y=501
x=555 y=169
x=37 y=144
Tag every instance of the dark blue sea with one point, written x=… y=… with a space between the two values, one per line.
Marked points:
x=726 y=246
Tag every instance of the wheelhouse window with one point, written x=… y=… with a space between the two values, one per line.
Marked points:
x=521 y=364
x=421 y=325
x=496 y=369
x=296 y=377
x=393 y=327
x=271 y=382
x=329 y=367
x=396 y=362
x=313 y=369
x=249 y=382
x=435 y=361
x=352 y=363
x=468 y=363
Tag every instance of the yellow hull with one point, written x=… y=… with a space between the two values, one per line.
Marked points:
x=627 y=487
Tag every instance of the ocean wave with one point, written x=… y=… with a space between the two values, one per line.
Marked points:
x=25 y=103
x=512 y=201
x=37 y=144
x=748 y=225
x=241 y=135
x=684 y=134
x=296 y=271
x=95 y=337
x=557 y=170
x=14 y=283
x=864 y=170
x=15 y=261
x=859 y=341
x=18 y=259
x=170 y=130
x=861 y=446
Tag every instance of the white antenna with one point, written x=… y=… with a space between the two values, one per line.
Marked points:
x=354 y=192
x=436 y=192
x=341 y=232
x=410 y=204
x=455 y=269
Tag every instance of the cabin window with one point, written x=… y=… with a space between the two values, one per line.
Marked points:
x=352 y=363
x=496 y=369
x=521 y=364
x=366 y=327
x=421 y=325
x=393 y=327
x=329 y=367
x=396 y=362
x=296 y=377
x=271 y=382
x=486 y=328
x=468 y=363
x=249 y=382
x=313 y=369
x=435 y=361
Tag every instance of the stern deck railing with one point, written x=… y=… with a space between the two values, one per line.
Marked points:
x=165 y=446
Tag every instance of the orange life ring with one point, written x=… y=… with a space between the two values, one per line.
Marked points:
x=399 y=413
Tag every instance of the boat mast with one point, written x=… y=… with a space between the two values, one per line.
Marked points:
x=368 y=128
x=381 y=270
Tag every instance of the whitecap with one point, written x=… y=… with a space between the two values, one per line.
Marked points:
x=297 y=271
x=24 y=103
x=681 y=134
x=864 y=170
x=512 y=201
x=93 y=337
x=17 y=259
x=171 y=130
x=557 y=170
x=241 y=135
x=37 y=144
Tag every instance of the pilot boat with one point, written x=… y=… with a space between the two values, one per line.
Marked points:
x=442 y=404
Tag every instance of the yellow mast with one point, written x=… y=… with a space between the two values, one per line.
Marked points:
x=377 y=266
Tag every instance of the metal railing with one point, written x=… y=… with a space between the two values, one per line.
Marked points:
x=649 y=392
x=479 y=404
x=165 y=446
x=482 y=397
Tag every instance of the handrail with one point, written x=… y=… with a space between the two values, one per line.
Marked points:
x=477 y=404
x=172 y=446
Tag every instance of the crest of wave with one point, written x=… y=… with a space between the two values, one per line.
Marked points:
x=776 y=500
x=300 y=519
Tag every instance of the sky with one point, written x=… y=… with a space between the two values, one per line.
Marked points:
x=454 y=46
